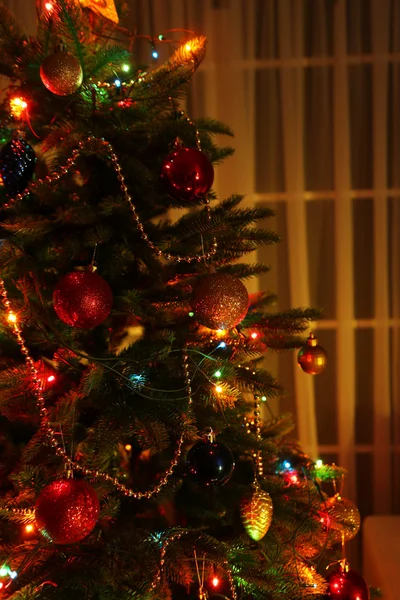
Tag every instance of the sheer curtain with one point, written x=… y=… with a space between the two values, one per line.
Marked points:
x=311 y=89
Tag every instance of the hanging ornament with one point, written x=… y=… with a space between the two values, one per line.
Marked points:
x=312 y=357
x=341 y=517
x=210 y=463
x=220 y=301
x=187 y=174
x=82 y=299
x=61 y=72
x=17 y=165
x=256 y=513
x=346 y=584
x=67 y=511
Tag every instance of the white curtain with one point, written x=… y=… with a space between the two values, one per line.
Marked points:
x=311 y=89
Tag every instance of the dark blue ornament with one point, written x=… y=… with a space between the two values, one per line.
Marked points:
x=210 y=463
x=17 y=165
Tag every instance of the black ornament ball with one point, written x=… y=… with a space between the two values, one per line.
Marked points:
x=17 y=165
x=210 y=463
x=188 y=174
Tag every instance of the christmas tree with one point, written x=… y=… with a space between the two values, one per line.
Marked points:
x=135 y=461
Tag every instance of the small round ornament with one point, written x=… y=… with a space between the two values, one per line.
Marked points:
x=256 y=513
x=210 y=463
x=346 y=584
x=67 y=511
x=312 y=357
x=220 y=301
x=341 y=517
x=61 y=73
x=187 y=174
x=17 y=165
x=82 y=299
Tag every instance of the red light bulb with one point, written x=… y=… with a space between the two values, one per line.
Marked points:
x=51 y=378
x=215 y=581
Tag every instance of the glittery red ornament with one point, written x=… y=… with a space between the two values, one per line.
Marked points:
x=82 y=299
x=188 y=174
x=346 y=584
x=61 y=73
x=67 y=511
x=220 y=301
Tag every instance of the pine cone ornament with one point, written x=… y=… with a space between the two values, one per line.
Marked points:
x=256 y=512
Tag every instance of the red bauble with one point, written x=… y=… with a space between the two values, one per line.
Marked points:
x=82 y=299
x=67 y=511
x=220 y=301
x=346 y=584
x=188 y=174
x=61 y=73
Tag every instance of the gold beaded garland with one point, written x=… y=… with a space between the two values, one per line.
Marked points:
x=104 y=145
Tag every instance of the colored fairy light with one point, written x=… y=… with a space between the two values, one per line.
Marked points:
x=264 y=398
x=117 y=83
x=4 y=571
x=11 y=317
x=254 y=335
x=222 y=345
x=188 y=47
x=221 y=332
x=217 y=374
x=319 y=463
x=218 y=389
x=128 y=447
x=51 y=378
x=191 y=314
x=18 y=106
x=13 y=574
x=215 y=581
x=126 y=68
x=1 y=585
x=29 y=528
x=48 y=6
x=287 y=464
x=154 y=54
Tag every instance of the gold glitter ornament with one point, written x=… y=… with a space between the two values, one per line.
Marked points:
x=220 y=301
x=61 y=73
x=256 y=513
x=341 y=517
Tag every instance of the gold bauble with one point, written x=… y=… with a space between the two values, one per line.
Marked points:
x=220 y=301
x=341 y=517
x=312 y=357
x=256 y=512
x=61 y=73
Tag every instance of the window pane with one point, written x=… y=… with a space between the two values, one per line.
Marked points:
x=265 y=27
x=318 y=28
x=360 y=90
x=363 y=249
x=325 y=391
x=358 y=26
x=268 y=133
x=318 y=128
x=364 y=369
x=321 y=255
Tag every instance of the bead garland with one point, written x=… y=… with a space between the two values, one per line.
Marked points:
x=51 y=434
x=255 y=424
x=124 y=188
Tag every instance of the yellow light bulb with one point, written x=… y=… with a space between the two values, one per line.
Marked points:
x=218 y=389
x=12 y=317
